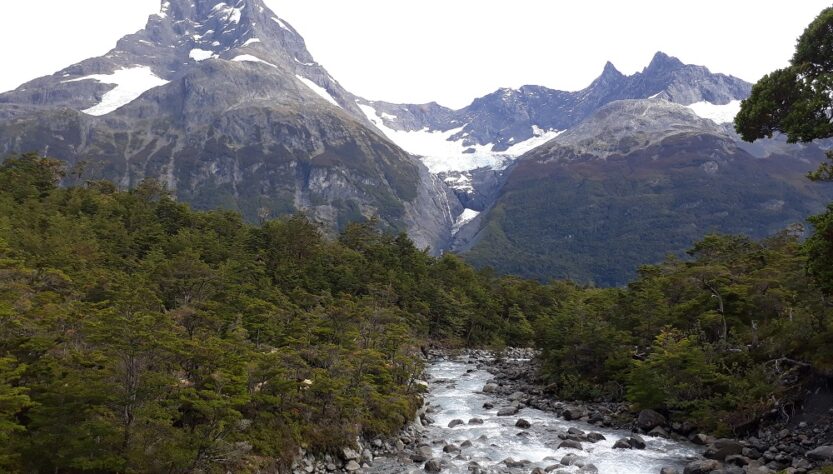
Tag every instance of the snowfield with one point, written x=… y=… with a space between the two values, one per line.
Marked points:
x=130 y=84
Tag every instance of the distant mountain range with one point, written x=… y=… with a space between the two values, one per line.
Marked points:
x=223 y=103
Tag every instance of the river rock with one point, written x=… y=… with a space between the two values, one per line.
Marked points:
x=637 y=441
x=588 y=469
x=508 y=411
x=573 y=413
x=569 y=459
x=352 y=466
x=722 y=448
x=649 y=419
x=737 y=460
x=658 y=432
x=422 y=453
x=509 y=462
x=822 y=453
x=570 y=444
x=595 y=437
x=522 y=424
x=517 y=396
x=454 y=423
x=433 y=465
x=704 y=466
x=488 y=406
x=451 y=449
x=490 y=388
x=623 y=443
x=575 y=431
x=475 y=421
x=465 y=444
x=702 y=439
x=349 y=454
x=538 y=470
x=669 y=470
x=757 y=468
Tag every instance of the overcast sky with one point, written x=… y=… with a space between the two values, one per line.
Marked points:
x=450 y=51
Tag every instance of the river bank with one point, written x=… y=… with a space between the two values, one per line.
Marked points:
x=491 y=415
x=797 y=446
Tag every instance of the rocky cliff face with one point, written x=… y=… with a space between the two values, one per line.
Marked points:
x=223 y=102
x=636 y=181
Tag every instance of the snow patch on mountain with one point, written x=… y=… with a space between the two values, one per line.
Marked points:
x=163 y=12
x=441 y=154
x=467 y=216
x=251 y=41
x=130 y=84
x=318 y=90
x=281 y=23
x=200 y=54
x=717 y=113
x=231 y=14
x=252 y=59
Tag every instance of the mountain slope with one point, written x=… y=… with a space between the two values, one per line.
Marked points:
x=224 y=103
x=471 y=148
x=636 y=181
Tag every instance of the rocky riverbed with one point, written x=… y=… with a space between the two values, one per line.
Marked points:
x=487 y=415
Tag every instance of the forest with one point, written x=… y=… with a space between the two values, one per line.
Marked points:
x=137 y=335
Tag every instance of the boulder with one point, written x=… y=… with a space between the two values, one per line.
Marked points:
x=704 y=466
x=454 y=423
x=637 y=441
x=488 y=406
x=573 y=413
x=570 y=444
x=722 y=448
x=575 y=431
x=352 y=466
x=822 y=453
x=517 y=396
x=475 y=421
x=422 y=454
x=649 y=419
x=594 y=437
x=658 y=432
x=669 y=470
x=433 y=465
x=569 y=459
x=490 y=388
x=737 y=460
x=508 y=411
x=522 y=424
x=538 y=470
x=509 y=462
x=757 y=468
x=451 y=449
x=465 y=444
x=623 y=443
x=701 y=439
x=349 y=454
x=588 y=469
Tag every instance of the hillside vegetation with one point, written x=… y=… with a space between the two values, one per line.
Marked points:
x=137 y=335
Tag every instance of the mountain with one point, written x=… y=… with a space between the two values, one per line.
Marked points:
x=224 y=103
x=638 y=180
x=471 y=148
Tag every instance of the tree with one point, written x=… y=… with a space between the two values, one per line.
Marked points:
x=797 y=100
x=13 y=399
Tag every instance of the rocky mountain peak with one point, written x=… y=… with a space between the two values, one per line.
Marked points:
x=663 y=63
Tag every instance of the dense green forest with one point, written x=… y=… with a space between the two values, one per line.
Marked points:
x=137 y=335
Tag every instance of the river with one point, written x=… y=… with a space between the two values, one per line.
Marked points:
x=455 y=393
